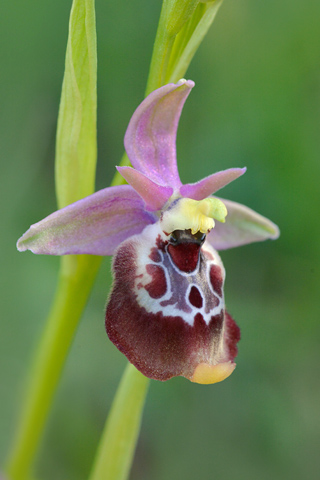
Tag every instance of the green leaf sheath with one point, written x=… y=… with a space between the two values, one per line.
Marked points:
x=76 y=145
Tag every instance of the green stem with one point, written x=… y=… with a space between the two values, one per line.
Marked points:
x=182 y=39
x=77 y=274
x=198 y=28
x=115 y=453
x=161 y=53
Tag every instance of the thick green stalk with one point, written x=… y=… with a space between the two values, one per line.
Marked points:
x=115 y=453
x=75 y=281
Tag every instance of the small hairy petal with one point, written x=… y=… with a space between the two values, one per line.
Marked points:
x=150 y=140
x=242 y=226
x=154 y=195
x=95 y=225
x=209 y=185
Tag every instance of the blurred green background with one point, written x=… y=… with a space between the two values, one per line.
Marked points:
x=257 y=104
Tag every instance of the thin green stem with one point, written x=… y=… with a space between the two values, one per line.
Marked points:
x=115 y=453
x=77 y=274
x=183 y=38
x=199 y=27
x=161 y=53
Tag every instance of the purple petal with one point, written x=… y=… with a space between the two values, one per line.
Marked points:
x=242 y=226
x=95 y=225
x=150 y=140
x=153 y=194
x=209 y=185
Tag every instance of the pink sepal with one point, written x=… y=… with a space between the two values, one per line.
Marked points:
x=95 y=225
x=150 y=140
x=243 y=225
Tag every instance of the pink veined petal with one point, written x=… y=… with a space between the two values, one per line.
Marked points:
x=209 y=185
x=95 y=225
x=150 y=140
x=153 y=194
x=242 y=226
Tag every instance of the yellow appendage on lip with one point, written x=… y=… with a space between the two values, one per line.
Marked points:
x=198 y=216
x=207 y=374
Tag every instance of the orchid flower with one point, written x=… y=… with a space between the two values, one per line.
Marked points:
x=166 y=311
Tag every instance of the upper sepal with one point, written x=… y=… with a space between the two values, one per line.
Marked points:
x=95 y=225
x=150 y=140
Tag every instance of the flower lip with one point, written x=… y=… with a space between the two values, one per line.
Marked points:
x=167 y=314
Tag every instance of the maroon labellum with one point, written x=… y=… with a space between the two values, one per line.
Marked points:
x=166 y=311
